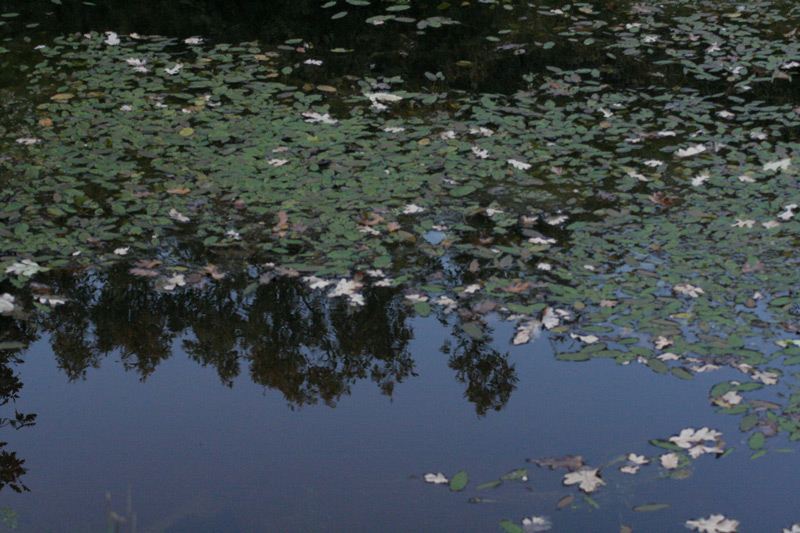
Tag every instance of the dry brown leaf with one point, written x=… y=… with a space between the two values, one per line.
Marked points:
x=517 y=287
x=570 y=462
x=177 y=190
x=283 y=222
x=144 y=263
x=45 y=122
x=145 y=272
x=662 y=199
x=566 y=500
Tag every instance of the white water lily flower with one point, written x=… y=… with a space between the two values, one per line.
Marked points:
x=175 y=281
x=483 y=154
x=586 y=478
x=416 y=298
x=126 y=107
x=27 y=141
x=176 y=215
x=469 y=289
x=795 y=529
x=313 y=62
x=588 y=339
x=636 y=175
x=669 y=356
x=193 y=40
x=771 y=224
x=767 y=378
x=369 y=230
x=541 y=240
x=345 y=287
x=6 y=303
x=275 y=162
x=638 y=459
x=112 y=39
x=688 y=288
x=692 y=150
x=653 y=163
x=781 y=164
x=357 y=299
x=438 y=479
x=743 y=223
x=689 y=437
x=550 y=318
x=233 y=234
x=122 y=250
x=704 y=368
x=726 y=114
x=744 y=178
x=670 y=460
x=393 y=129
x=411 y=209
x=629 y=469
x=700 y=449
x=314 y=117
x=732 y=397
x=519 y=164
x=788 y=212
x=649 y=38
x=385 y=282
x=662 y=342
x=527 y=331
x=26 y=268
x=316 y=283
x=448 y=303
x=536 y=524
x=486 y=132
x=136 y=62
x=383 y=97
x=52 y=301
x=544 y=266
x=716 y=523
x=700 y=179
x=556 y=220
x=447 y=135
x=174 y=70
x=491 y=211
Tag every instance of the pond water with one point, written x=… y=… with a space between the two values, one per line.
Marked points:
x=199 y=456
x=398 y=266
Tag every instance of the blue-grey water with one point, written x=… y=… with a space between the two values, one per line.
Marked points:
x=199 y=456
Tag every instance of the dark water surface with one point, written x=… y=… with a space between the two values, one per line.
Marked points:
x=198 y=456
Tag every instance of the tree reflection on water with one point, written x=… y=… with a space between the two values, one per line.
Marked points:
x=310 y=347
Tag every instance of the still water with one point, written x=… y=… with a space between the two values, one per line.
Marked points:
x=199 y=456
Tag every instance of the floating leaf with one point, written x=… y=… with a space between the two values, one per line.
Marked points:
x=510 y=527
x=459 y=481
x=756 y=440
x=650 y=507
x=473 y=330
